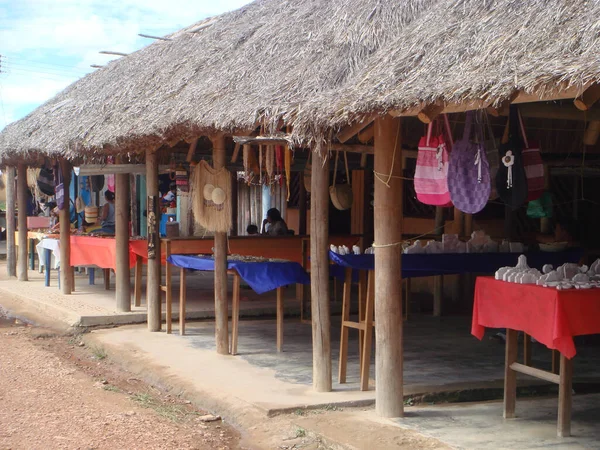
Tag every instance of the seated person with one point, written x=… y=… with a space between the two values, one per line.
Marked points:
x=107 y=217
x=168 y=199
x=276 y=224
x=252 y=229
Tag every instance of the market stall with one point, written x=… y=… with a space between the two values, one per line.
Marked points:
x=551 y=316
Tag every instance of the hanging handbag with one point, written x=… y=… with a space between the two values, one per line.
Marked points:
x=469 y=172
x=45 y=181
x=511 y=180
x=341 y=195
x=534 y=166
x=431 y=172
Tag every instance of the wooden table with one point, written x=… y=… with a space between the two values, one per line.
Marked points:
x=185 y=262
x=552 y=317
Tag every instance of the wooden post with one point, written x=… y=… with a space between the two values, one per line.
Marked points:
x=389 y=398
x=123 y=286
x=438 y=281
x=565 y=393
x=319 y=274
x=153 y=292
x=11 y=250
x=510 y=376
x=234 y=205
x=221 y=304
x=66 y=280
x=22 y=221
x=301 y=207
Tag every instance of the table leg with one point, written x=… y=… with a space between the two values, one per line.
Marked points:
x=92 y=275
x=72 y=275
x=510 y=376
x=169 y=298
x=555 y=361
x=565 y=391
x=106 y=278
x=344 y=332
x=366 y=353
x=279 y=319
x=32 y=254
x=182 y=295
x=47 y=261
x=362 y=302
x=137 y=283
x=526 y=349
x=235 y=313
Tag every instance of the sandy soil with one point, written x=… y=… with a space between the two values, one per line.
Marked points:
x=58 y=394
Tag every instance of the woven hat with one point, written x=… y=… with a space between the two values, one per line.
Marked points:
x=207 y=191
x=218 y=196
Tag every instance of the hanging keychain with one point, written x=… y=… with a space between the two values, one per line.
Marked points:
x=509 y=160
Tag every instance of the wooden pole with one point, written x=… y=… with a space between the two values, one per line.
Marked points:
x=123 y=286
x=11 y=250
x=234 y=204
x=319 y=274
x=153 y=292
x=301 y=207
x=389 y=401
x=66 y=280
x=221 y=304
x=22 y=221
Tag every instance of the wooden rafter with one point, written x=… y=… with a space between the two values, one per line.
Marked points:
x=346 y=133
x=586 y=100
x=430 y=112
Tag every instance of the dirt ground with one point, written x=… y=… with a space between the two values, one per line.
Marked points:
x=56 y=394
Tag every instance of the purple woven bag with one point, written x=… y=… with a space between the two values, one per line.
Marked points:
x=469 y=172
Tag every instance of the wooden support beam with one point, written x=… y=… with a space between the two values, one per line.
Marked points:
x=22 y=221
x=66 y=278
x=565 y=396
x=592 y=132
x=319 y=274
x=537 y=373
x=389 y=357
x=122 y=275
x=153 y=292
x=346 y=133
x=220 y=253
x=236 y=152
x=586 y=100
x=362 y=149
x=430 y=112
x=11 y=248
x=263 y=140
x=438 y=281
x=367 y=134
x=363 y=160
x=503 y=107
x=234 y=204
x=192 y=150
x=561 y=112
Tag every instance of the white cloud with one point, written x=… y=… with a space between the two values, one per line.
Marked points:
x=49 y=43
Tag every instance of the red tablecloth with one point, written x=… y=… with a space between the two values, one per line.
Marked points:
x=96 y=251
x=552 y=317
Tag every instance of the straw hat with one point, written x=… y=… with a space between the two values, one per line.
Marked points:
x=341 y=196
x=218 y=196
x=207 y=191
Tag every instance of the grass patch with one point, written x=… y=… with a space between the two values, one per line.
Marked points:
x=111 y=388
x=175 y=413
x=99 y=352
x=300 y=432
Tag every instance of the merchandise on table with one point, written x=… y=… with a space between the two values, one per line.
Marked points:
x=566 y=276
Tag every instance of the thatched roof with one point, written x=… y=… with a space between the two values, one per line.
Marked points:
x=315 y=65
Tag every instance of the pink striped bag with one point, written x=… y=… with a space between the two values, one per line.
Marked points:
x=533 y=164
x=431 y=173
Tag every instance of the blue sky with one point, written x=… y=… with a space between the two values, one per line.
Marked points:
x=45 y=45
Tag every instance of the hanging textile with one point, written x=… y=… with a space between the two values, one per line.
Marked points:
x=211 y=194
x=533 y=164
x=469 y=172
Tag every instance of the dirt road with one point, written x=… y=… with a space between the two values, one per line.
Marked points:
x=58 y=394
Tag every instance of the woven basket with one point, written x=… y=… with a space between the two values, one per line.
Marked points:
x=91 y=214
x=341 y=195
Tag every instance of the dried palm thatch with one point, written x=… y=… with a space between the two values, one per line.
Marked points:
x=315 y=65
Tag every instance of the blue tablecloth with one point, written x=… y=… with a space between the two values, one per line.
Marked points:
x=261 y=276
x=425 y=265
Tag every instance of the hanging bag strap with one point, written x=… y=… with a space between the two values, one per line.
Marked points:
x=522 y=128
x=468 y=126
x=429 y=130
x=490 y=131
x=450 y=142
